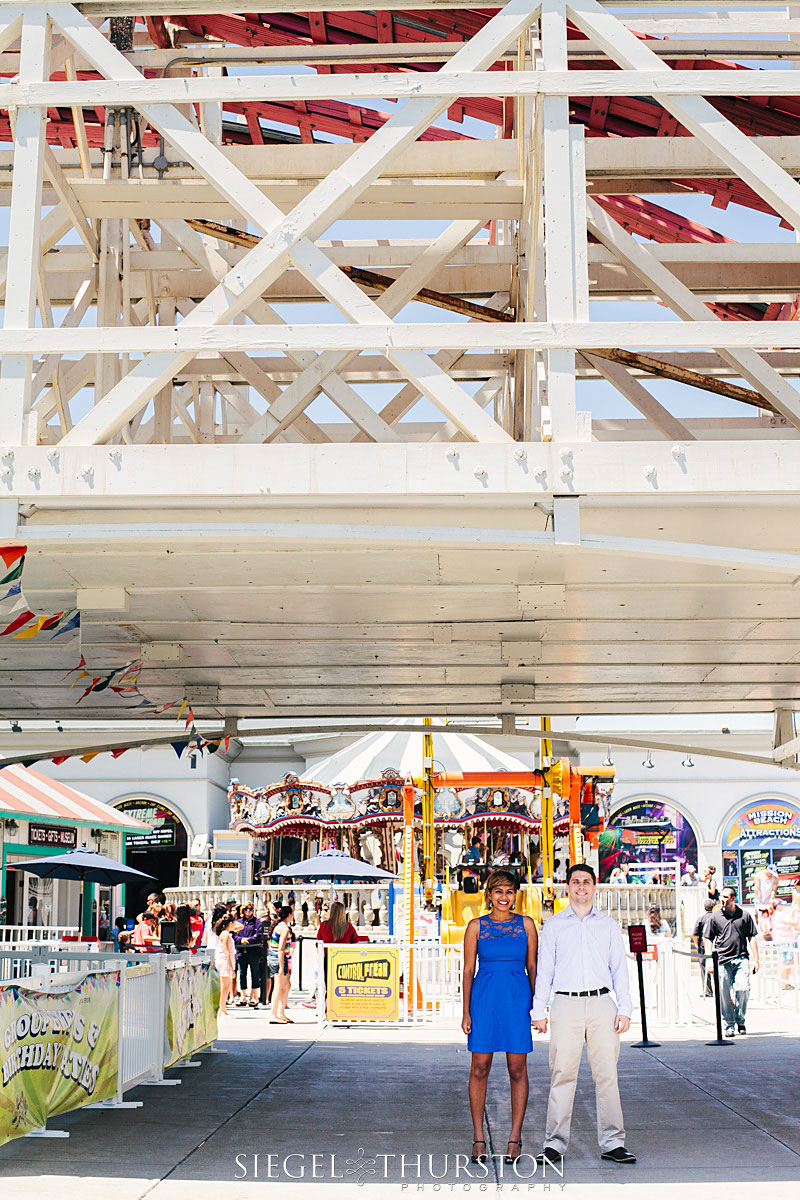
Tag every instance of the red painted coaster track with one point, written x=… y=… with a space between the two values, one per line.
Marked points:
x=306 y=122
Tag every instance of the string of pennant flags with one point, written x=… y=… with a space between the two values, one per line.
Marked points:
x=16 y=616
x=20 y=621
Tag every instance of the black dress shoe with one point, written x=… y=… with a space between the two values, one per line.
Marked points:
x=741 y=1029
x=550 y=1156
x=619 y=1155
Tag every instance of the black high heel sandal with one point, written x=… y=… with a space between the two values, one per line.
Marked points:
x=479 y=1158
x=510 y=1159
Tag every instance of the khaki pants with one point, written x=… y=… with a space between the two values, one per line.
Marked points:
x=573 y=1021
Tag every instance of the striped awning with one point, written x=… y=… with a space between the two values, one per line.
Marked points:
x=28 y=796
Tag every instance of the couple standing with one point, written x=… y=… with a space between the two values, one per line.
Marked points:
x=582 y=960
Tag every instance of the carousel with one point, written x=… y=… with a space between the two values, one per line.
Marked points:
x=353 y=801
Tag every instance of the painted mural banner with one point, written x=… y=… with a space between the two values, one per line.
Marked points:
x=645 y=833
x=363 y=984
x=58 y=1050
x=192 y=1004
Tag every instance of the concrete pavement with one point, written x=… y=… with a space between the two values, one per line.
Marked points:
x=347 y=1105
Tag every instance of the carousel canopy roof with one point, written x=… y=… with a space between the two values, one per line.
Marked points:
x=376 y=752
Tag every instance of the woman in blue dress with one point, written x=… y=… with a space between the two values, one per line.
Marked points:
x=497 y=1004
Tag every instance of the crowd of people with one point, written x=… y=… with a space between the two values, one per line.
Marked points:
x=252 y=951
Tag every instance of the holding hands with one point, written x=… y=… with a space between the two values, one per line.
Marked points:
x=540 y=1025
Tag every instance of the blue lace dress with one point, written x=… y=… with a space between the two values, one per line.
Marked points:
x=500 y=1003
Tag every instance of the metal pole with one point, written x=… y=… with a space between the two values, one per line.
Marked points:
x=645 y=1042
x=720 y=1040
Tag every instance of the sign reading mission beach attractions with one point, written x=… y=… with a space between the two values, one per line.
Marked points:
x=363 y=983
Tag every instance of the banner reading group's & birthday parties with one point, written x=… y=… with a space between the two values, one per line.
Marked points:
x=58 y=1050
x=192 y=1003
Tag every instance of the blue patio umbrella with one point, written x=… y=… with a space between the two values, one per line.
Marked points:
x=331 y=864
x=87 y=866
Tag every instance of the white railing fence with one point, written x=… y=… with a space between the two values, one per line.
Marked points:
x=142 y=1026
x=20 y=934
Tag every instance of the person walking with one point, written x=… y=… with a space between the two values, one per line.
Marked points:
x=732 y=933
x=249 y=940
x=225 y=960
x=582 y=959
x=699 y=935
x=497 y=1004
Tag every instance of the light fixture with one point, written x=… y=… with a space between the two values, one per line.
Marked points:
x=16 y=727
x=608 y=760
x=687 y=762
x=11 y=827
x=59 y=727
x=648 y=762
x=193 y=760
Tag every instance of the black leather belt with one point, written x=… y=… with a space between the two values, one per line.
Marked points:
x=595 y=992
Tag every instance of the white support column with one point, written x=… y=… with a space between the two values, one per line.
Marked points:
x=16 y=371
x=559 y=226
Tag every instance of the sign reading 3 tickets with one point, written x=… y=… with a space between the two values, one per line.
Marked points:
x=363 y=983
x=58 y=1050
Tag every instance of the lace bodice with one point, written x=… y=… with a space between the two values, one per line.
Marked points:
x=503 y=942
x=496 y=929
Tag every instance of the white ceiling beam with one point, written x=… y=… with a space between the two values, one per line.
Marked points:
x=187 y=340
x=245 y=89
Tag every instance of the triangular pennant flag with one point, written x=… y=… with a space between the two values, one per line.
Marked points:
x=14 y=573
x=89 y=689
x=178 y=747
x=180 y=710
x=73 y=623
x=10 y=554
x=60 y=758
x=117 y=753
x=226 y=741
x=14 y=589
x=87 y=758
x=51 y=623
x=189 y=719
x=31 y=630
x=18 y=623
x=82 y=663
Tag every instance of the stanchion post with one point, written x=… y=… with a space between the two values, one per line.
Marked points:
x=637 y=939
x=719 y=1040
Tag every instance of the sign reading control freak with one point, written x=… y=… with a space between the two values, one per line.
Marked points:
x=363 y=983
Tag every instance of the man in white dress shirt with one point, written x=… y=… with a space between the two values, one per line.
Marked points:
x=582 y=960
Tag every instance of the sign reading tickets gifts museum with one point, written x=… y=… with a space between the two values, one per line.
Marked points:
x=363 y=983
x=58 y=1050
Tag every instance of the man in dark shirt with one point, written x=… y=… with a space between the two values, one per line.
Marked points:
x=699 y=934
x=733 y=933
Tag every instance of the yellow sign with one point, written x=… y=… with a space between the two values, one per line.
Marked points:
x=363 y=983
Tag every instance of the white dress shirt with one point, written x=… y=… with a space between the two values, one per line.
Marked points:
x=580 y=954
